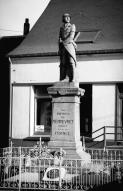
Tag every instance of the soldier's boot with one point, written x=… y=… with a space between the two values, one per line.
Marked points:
x=72 y=73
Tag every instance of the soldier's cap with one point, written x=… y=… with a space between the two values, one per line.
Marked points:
x=66 y=15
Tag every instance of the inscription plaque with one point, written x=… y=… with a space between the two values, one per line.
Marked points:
x=62 y=123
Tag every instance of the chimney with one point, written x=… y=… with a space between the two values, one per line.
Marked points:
x=26 y=27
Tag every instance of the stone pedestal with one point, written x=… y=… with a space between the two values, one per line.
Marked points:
x=66 y=119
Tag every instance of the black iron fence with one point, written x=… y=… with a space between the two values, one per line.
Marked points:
x=26 y=169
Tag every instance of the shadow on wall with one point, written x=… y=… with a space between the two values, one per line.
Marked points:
x=4 y=103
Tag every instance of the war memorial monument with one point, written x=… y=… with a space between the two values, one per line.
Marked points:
x=66 y=97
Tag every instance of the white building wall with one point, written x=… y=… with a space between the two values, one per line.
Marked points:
x=100 y=71
x=35 y=73
x=31 y=111
x=20 y=112
x=103 y=109
x=47 y=71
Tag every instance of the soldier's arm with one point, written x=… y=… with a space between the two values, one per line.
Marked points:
x=59 y=42
x=71 y=35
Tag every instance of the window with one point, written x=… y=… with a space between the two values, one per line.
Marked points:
x=43 y=111
x=87 y=36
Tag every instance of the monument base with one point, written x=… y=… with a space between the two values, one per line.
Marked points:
x=74 y=150
x=66 y=120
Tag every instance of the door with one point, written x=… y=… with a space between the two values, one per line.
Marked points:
x=86 y=111
x=119 y=116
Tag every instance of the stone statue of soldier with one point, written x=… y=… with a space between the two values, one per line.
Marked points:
x=67 y=49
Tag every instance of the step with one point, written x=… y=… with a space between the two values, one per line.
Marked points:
x=94 y=144
x=114 y=146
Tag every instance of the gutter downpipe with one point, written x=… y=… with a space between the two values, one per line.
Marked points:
x=10 y=104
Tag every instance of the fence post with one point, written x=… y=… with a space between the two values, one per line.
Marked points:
x=83 y=142
x=19 y=168
x=40 y=145
x=60 y=168
x=104 y=137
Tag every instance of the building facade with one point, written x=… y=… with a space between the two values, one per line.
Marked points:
x=7 y=44
x=35 y=67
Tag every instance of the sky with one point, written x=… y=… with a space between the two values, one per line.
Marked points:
x=14 y=12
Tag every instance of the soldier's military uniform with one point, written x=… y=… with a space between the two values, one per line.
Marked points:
x=67 y=48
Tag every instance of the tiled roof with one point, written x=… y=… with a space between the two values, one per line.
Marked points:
x=103 y=15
